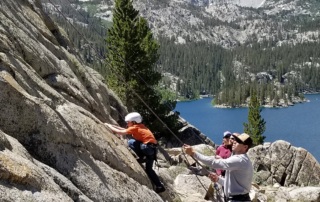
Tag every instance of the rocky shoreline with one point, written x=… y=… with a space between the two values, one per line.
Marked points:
x=269 y=104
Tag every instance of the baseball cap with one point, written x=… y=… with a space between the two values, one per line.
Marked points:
x=227 y=134
x=243 y=139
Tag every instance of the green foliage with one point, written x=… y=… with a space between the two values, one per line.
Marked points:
x=256 y=124
x=131 y=54
x=131 y=57
x=167 y=94
x=197 y=64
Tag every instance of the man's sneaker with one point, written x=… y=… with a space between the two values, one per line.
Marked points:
x=160 y=189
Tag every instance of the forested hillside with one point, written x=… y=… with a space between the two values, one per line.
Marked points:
x=216 y=47
x=274 y=71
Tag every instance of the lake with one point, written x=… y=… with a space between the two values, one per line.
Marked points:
x=298 y=124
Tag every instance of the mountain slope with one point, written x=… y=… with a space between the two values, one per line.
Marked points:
x=227 y=23
x=258 y=38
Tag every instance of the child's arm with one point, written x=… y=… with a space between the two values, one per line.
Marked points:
x=116 y=129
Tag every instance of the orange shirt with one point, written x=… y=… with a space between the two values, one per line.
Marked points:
x=141 y=133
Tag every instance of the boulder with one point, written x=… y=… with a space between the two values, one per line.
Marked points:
x=282 y=163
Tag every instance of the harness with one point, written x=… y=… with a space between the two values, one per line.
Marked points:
x=155 y=147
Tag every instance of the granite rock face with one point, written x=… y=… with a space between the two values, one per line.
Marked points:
x=282 y=163
x=53 y=144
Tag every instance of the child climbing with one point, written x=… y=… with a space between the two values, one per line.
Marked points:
x=143 y=144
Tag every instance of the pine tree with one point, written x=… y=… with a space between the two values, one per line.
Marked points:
x=256 y=124
x=131 y=58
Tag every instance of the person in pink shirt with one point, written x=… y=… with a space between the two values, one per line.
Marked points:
x=224 y=151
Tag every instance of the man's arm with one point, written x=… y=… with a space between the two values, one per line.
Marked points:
x=231 y=163
x=221 y=180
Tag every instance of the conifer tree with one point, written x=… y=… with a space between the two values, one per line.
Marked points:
x=131 y=58
x=256 y=124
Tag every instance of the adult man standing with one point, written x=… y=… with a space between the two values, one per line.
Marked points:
x=239 y=169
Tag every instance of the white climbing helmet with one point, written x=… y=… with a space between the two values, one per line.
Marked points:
x=134 y=116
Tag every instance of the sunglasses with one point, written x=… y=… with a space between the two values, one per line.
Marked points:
x=239 y=142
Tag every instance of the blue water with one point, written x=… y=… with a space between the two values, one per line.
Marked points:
x=298 y=124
